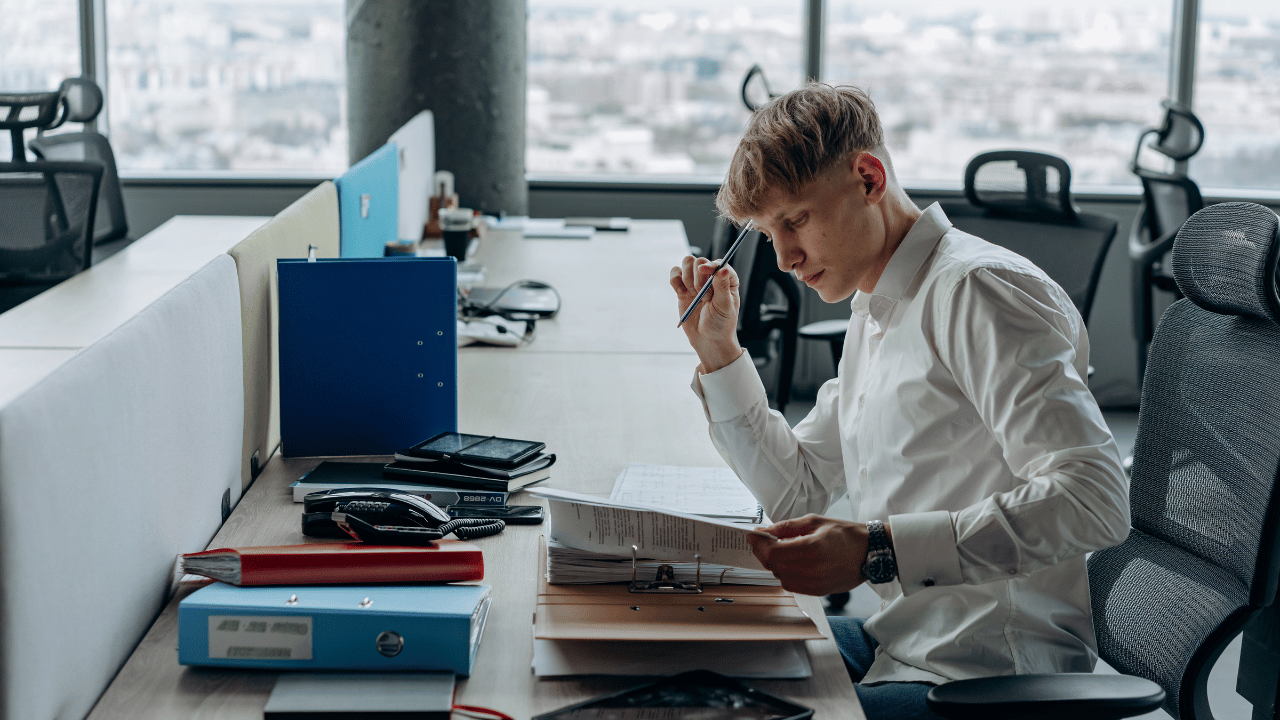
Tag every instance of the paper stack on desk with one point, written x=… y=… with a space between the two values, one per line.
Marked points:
x=742 y=621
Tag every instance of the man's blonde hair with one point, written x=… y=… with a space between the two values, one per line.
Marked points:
x=793 y=139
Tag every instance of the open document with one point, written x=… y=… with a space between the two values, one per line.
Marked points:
x=612 y=527
x=706 y=491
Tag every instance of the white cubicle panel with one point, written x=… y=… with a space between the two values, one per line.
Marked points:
x=311 y=221
x=118 y=458
x=87 y=307
x=416 y=149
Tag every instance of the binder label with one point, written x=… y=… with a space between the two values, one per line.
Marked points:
x=259 y=637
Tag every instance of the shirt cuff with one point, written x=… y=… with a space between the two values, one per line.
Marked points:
x=924 y=546
x=732 y=390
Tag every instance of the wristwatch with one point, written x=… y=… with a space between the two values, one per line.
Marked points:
x=881 y=566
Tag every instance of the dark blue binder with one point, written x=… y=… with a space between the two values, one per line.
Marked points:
x=368 y=354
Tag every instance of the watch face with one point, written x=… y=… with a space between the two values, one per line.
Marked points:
x=881 y=569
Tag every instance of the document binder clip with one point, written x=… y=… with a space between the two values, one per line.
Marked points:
x=665 y=579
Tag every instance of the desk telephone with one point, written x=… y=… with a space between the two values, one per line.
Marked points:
x=386 y=517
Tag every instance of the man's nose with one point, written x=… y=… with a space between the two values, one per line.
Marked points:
x=789 y=256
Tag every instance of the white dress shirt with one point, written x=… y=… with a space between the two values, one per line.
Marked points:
x=961 y=418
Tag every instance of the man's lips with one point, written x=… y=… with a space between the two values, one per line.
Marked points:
x=809 y=280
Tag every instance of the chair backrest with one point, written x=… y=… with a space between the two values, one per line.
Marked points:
x=770 y=301
x=1021 y=200
x=1168 y=199
x=1202 y=556
x=46 y=217
x=110 y=222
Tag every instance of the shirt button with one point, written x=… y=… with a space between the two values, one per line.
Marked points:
x=863 y=472
x=862 y=399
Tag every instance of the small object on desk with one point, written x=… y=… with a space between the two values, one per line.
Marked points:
x=733 y=249
x=348 y=627
x=510 y=514
x=341 y=696
x=519 y=299
x=475 y=450
x=701 y=693
x=555 y=229
x=490 y=331
x=600 y=223
x=385 y=517
x=335 y=475
x=336 y=563
x=467 y=478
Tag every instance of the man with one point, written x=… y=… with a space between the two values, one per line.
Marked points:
x=975 y=459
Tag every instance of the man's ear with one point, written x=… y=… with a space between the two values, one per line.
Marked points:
x=874 y=178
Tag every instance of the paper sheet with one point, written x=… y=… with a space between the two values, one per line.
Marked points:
x=774 y=660
x=705 y=491
x=592 y=523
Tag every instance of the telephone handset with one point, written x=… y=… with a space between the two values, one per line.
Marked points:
x=386 y=517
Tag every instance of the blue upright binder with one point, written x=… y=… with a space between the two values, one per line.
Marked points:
x=377 y=627
x=368 y=354
x=369 y=205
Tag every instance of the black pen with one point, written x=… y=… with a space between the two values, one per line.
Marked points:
x=707 y=286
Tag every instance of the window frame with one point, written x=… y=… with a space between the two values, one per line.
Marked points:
x=1186 y=13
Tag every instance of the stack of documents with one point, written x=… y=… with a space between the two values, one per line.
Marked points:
x=570 y=566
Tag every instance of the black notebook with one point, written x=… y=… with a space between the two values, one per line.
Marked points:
x=454 y=474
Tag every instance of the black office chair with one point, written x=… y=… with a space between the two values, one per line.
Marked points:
x=1021 y=200
x=82 y=101
x=1168 y=199
x=46 y=208
x=1203 y=557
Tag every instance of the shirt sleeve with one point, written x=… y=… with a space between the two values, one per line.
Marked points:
x=1018 y=351
x=790 y=471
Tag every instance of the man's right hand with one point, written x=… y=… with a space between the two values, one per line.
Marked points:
x=712 y=328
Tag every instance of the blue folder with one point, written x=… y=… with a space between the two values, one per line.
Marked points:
x=376 y=627
x=368 y=354
x=369 y=205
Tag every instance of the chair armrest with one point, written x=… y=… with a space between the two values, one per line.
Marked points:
x=825 y=329
x=1047 y=697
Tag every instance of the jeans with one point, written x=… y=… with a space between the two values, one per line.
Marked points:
x=889 y=701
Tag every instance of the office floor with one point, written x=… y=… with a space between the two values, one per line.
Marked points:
x=1225 y=703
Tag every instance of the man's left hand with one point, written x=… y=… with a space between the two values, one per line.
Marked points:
x=813 y=555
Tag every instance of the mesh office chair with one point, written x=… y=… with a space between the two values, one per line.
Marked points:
x=1168 y=199
x=46 y=208
x=1021 y=200
x=82 y=101
x=1203 y=557
x=770 y=311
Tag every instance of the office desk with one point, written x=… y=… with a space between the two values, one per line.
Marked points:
x=598 y=412
x=614 y=287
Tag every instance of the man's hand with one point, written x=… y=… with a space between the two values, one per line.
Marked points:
x=712 y=328
x=813 y=555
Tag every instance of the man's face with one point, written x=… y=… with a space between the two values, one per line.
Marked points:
x=830 y=235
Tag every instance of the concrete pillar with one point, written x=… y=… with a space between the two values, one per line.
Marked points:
x=462 y=60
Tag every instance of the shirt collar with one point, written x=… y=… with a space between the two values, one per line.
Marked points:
x=918 y=244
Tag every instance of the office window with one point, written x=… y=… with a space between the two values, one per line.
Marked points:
x=237 y=85
x=953 y=78
x=1237 y=95
x=654 y=91
x=39 y=48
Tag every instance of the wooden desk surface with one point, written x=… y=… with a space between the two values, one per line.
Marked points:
x=613 y=287
x=597 y=409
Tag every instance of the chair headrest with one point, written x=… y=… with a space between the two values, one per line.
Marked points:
x=82 y=98
x=1020 y=183
x=1224 y=260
